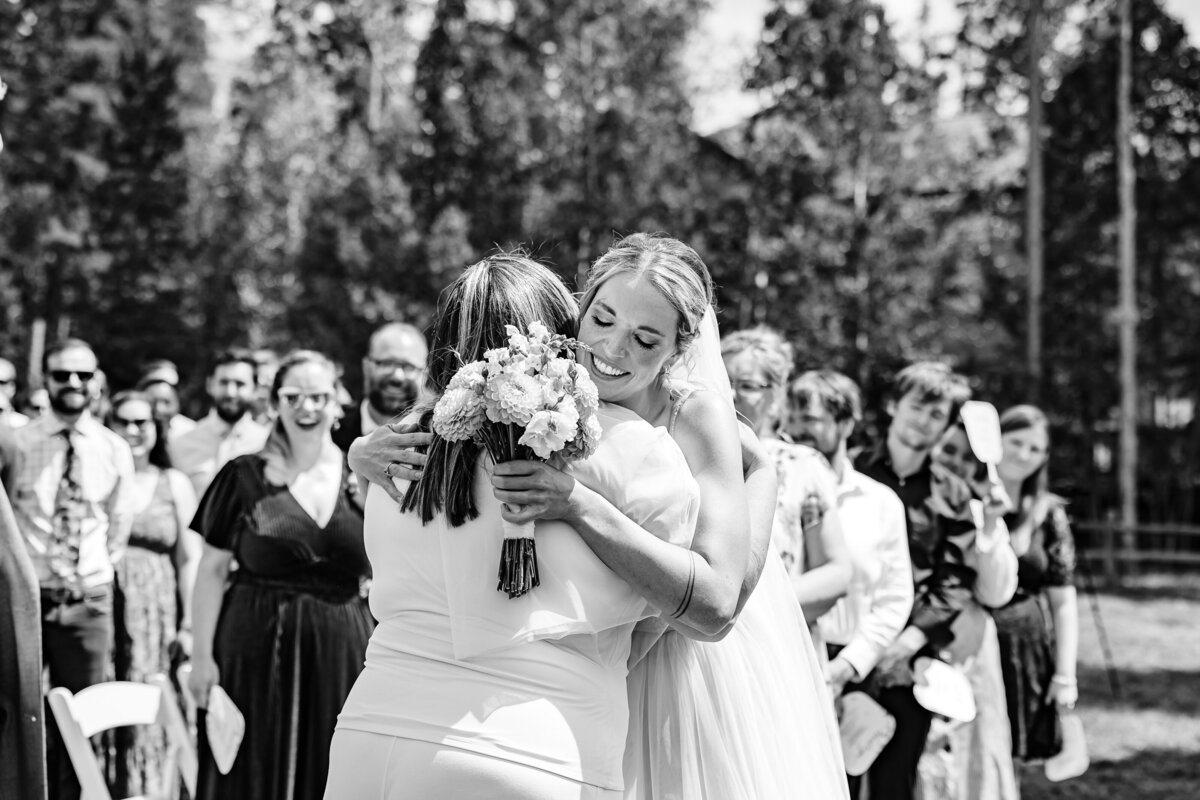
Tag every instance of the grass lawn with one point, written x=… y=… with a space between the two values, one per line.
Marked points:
x=1145 y=741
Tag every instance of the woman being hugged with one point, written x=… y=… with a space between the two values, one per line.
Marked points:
x=284 y=634
x=468 y=693
x=1039 y=629
x=746 y=715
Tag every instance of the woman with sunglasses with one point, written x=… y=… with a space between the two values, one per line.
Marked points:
x=284 y=634
x=159 y=566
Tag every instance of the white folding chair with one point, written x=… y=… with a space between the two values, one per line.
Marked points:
x=117 y=704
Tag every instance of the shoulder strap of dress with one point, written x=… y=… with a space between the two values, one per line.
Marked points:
x=678 y=398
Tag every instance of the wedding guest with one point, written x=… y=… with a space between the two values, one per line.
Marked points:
x=392 y=369
x=284 y=634
x=152 y=612
x=807 y=530
x=1038 y=647
x=37 y=403
x=101 y=403
x=266 y=361
x=467 y=693
x=160 y=382
x=229 y=430
x=826 y=406
x=923 y=400
x=9 y=416
x=972 y=760
x=71 y=498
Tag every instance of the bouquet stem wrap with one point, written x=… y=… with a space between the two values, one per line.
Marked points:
x=518 y=572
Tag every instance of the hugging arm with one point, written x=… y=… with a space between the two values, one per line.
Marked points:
x=390 y=451
x=700 y=588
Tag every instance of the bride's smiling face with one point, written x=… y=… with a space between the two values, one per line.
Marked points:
x=631 y=330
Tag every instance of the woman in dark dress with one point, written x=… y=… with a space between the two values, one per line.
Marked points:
x=286 y=639
x=154 y=575
x=1039 y=628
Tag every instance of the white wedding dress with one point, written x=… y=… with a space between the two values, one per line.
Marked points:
x=745 y=718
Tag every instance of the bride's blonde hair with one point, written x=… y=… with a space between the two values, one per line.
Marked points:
x=670 y=266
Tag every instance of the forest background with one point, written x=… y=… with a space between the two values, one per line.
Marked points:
x=353 y=155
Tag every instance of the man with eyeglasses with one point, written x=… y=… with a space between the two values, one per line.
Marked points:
x=72 y=503
x=392 y=372
x=229 y=430
x=9 y=416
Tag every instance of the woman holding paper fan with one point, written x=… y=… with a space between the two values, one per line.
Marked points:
x=284 y=634
x=1039 y=629
x=469 y=692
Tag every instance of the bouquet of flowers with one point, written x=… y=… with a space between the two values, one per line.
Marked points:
x=527 y=400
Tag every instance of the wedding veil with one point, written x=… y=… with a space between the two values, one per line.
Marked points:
x=702 y=365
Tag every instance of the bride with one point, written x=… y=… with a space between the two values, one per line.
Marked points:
x=748 y=714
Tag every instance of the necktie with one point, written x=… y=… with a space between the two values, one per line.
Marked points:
x=68 y=515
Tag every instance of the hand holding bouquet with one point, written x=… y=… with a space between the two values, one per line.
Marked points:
x=524 y=401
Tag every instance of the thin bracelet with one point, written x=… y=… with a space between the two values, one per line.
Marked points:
x=1063 y=680
x=687 y=592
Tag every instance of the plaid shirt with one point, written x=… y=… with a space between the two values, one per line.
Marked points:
x=106 y=478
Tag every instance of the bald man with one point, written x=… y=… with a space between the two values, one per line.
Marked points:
x=392 y=373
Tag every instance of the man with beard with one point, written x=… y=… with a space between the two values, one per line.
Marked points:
x=229 y=430
x=71 y=499
x=392 y=373
x=826 y=406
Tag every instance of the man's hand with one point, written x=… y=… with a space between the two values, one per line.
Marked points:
x=902 y=650
x=840 y=673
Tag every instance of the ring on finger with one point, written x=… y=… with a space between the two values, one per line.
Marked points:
x=387 y=471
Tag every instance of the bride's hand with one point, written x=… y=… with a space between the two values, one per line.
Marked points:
x=532 y=490
x=389 y=452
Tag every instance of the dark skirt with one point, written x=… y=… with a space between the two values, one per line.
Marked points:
x=1027 y=662
x=287 y=659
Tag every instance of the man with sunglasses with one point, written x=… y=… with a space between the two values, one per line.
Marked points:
x=392 y=372
x=71 y=499
x=230 y=429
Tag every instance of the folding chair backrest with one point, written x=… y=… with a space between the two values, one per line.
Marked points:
x=116 y=704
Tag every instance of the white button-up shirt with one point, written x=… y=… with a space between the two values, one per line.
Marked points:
x=876 y=607
x=105 y=483
x=201 y=452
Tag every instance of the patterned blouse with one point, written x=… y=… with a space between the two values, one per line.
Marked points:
x=803 y=473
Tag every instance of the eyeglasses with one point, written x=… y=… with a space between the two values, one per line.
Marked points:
x=751 y=387
x=392 y=365
x=125 y=422
x=295 y=400
x=64 y=375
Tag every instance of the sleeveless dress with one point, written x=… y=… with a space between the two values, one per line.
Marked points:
x=292 y=632
x=1026 y=633
x=144 y=616
x=745 y=718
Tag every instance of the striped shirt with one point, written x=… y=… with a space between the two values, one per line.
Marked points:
x=106 y=478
